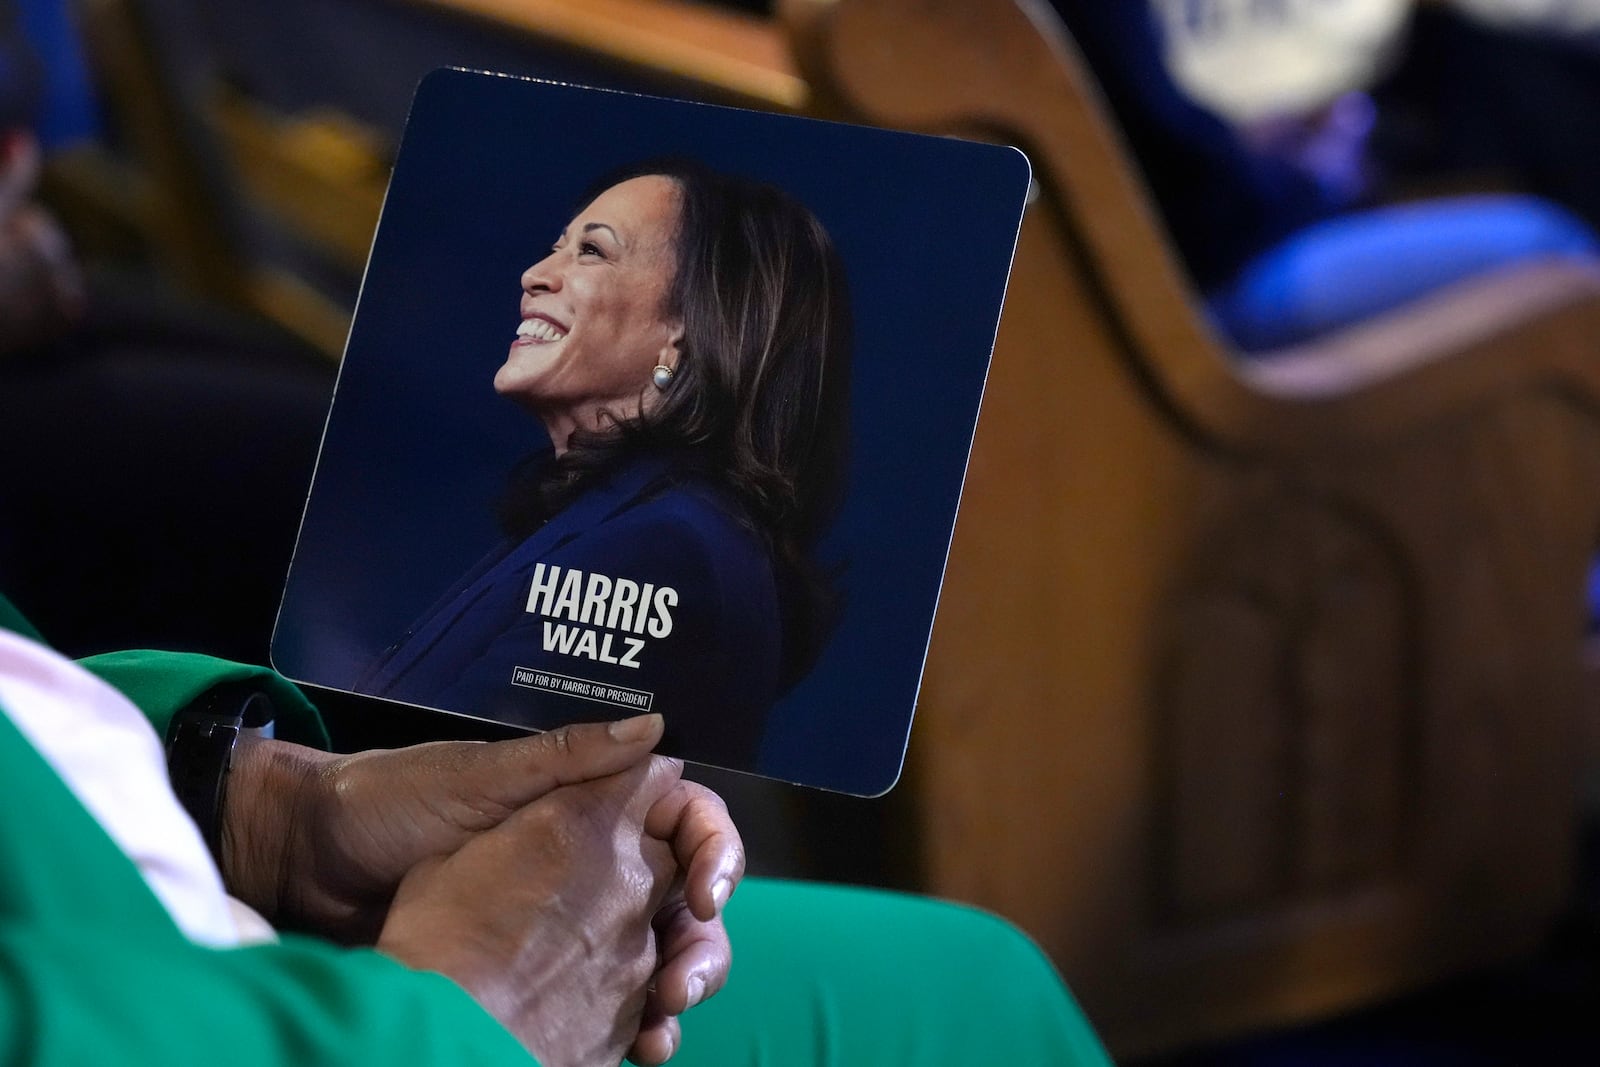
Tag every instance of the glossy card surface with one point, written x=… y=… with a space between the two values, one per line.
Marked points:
x=656 y=406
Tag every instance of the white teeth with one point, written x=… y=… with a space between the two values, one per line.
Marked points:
x=539 y=330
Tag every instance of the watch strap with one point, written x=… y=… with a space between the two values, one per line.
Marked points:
x=200 y=746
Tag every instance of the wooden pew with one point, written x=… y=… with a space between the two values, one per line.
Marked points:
x=718 y=54
x=257 y=181
x=1254 y=692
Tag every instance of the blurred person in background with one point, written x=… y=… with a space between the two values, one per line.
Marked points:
x=1260 y=163
x=169 y=445
x=1498 y=93
x=41 y=287
x=1449 y=92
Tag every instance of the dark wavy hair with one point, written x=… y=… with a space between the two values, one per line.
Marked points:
x=759 y=402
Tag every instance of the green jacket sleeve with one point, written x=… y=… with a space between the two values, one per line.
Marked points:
x=89 y=994
x=92 y=970
x=162 y=683
x=13 y=620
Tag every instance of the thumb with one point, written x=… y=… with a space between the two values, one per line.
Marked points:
x=510 y=774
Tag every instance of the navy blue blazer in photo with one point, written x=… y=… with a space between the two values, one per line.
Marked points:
x=647 y=592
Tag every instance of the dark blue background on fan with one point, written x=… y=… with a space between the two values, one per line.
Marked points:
x=418 y=445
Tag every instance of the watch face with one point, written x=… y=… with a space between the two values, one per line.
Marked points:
x=656 y=406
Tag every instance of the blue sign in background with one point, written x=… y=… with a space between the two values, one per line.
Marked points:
x=418 y=445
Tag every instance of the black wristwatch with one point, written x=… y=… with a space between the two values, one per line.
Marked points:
x=200 y=744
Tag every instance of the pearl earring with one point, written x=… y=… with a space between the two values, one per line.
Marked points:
x=662 y=376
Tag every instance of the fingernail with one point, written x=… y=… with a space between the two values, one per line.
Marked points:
x=721 y=890
x=635 y=729
x=697 y=988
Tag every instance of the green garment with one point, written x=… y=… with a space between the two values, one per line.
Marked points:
x=838 y=977
x=93 y=970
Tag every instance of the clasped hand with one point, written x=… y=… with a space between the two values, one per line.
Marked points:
x=571 y=882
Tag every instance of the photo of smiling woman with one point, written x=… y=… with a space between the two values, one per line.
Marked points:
x=685 y=344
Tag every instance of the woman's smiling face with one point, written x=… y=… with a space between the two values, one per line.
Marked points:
x=595 y=321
